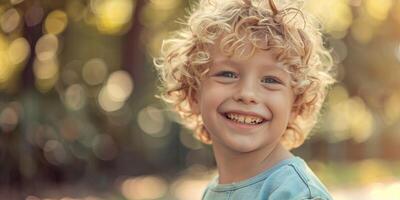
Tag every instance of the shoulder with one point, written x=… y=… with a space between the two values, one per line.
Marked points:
x=294 y=181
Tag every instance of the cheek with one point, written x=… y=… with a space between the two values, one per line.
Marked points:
x=279 y=103
x=212 y=95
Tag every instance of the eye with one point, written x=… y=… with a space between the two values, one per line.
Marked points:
x=227 y=74
x=271 y=80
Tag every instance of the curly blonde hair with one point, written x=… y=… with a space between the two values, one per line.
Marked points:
x=239 y=25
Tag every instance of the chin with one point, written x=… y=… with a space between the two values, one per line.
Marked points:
x=244 y=148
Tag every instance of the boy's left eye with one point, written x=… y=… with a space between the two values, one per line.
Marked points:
x=272 y=80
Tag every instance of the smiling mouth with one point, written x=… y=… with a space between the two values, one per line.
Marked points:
x=244 y=119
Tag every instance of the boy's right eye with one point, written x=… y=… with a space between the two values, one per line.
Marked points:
x=227 y=74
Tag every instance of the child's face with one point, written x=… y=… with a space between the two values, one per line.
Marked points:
x=245 y=104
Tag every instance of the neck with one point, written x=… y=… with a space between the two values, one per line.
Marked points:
x=234 y=167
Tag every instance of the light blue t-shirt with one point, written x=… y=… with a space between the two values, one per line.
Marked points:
x=290 y=179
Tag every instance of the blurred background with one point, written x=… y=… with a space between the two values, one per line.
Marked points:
x=79 y=118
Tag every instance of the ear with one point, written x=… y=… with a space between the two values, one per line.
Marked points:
x=295 y=110
x=293 y=114
x=194 y=102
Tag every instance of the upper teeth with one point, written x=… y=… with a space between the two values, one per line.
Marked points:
x=246 y=119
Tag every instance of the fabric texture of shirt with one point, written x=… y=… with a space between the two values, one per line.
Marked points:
x=290 y=179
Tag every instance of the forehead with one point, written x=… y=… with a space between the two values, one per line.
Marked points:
x=266 y=59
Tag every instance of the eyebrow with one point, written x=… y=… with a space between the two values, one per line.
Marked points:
x=275 y=67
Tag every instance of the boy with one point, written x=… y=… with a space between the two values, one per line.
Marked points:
x=250 y=77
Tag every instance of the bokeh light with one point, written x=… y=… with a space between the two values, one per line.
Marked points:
x=378 y=9
x=337 y=20
x=47 y=47
x=119 y=86
x=18 y=51
x=392 y=109
x=46 y=74
x=56 y=22
x=8 y=119
x=16 y=1
x=6 y=68
x=54 y=152
x=10 y=20
x=144 y=187
x=112 y=16
x=348 y=117
x=107 y=103
x=339 y=50
x=76 y=9
x=188 y=140
x=363 y=30
x=94 y=71
x=75 y=97
x=187 y=188
x=165 y=4
x=152 y=121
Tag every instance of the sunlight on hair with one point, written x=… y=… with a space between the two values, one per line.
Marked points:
x=185 y=55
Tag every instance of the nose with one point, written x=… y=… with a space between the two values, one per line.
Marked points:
x=246 y=93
